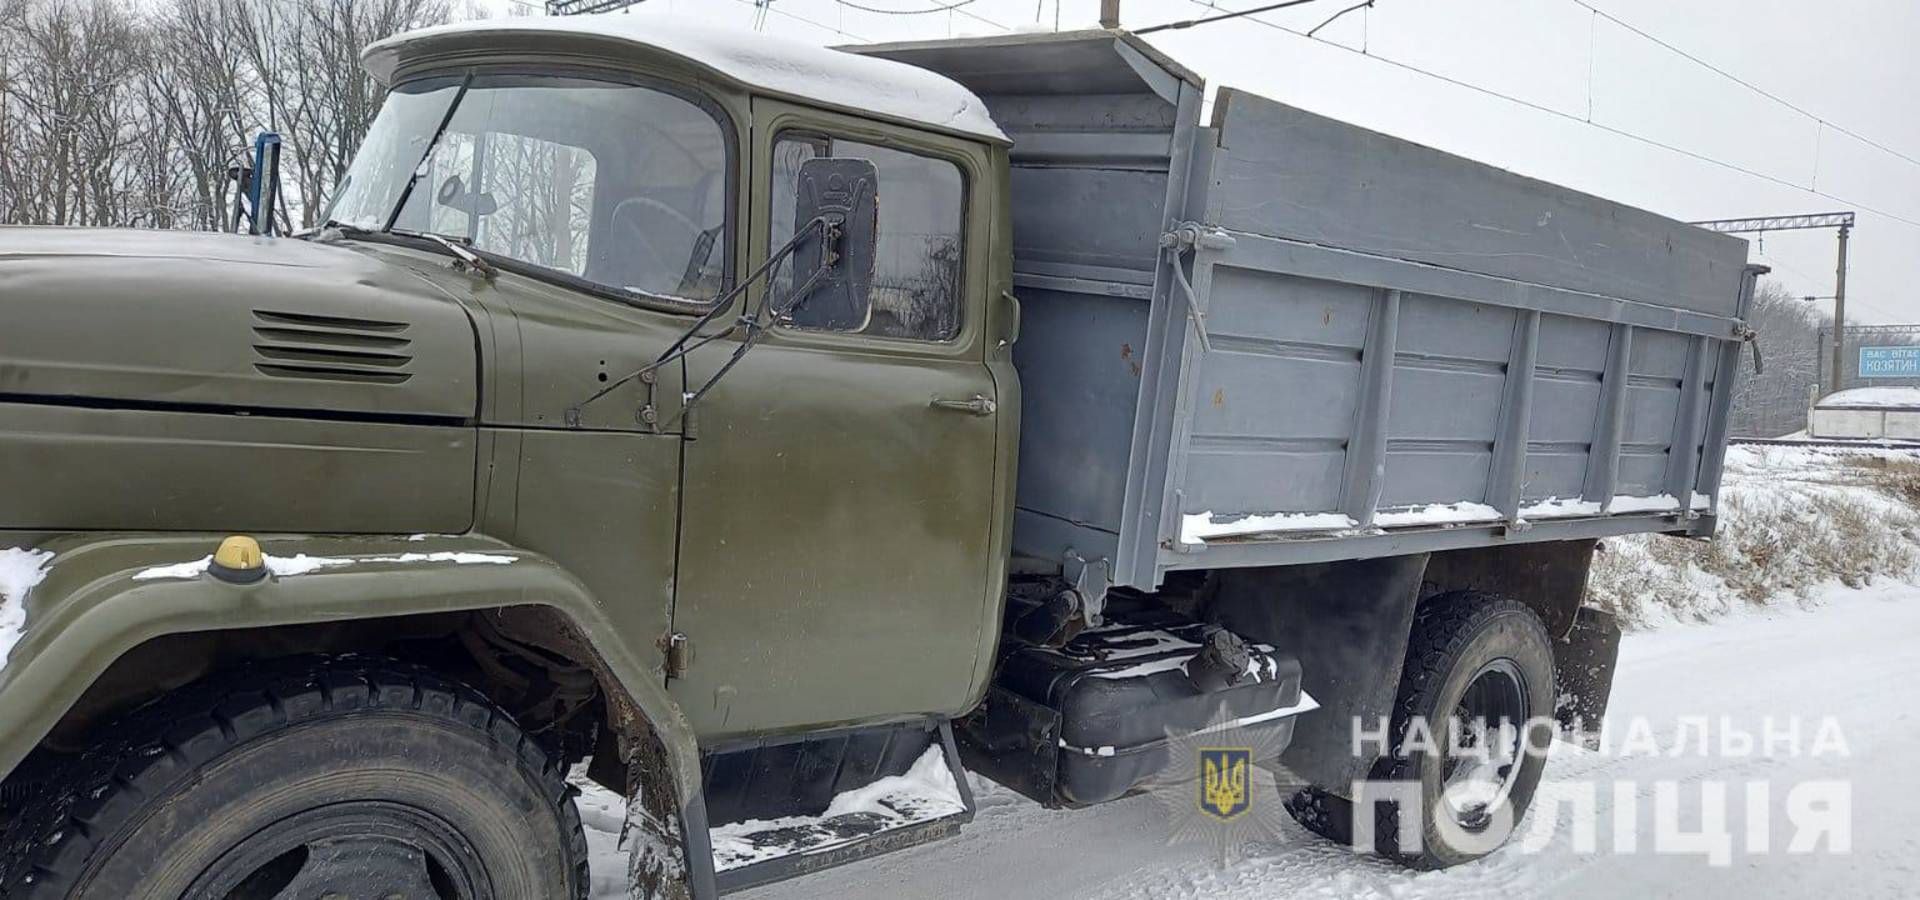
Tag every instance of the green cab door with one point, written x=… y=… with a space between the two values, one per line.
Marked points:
x=838 y=556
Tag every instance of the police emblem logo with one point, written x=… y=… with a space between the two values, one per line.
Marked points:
x=1224 y=780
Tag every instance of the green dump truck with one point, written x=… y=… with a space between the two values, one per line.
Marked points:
x=774 y=434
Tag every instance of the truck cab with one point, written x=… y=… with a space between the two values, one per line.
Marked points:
x=657 y=189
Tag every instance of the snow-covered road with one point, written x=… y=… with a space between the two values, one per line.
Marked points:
x=1856 y=658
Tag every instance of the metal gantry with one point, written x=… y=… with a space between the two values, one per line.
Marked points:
x=1779 y=223
x=1838 y=220
x=583 y=7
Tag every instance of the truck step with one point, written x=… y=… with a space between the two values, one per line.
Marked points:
x=802 y=805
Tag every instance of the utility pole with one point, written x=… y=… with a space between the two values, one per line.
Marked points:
x=1840 y=313
x=1109 y=13
x=1840 y=220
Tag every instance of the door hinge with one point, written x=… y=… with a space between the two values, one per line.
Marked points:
x=678 y=650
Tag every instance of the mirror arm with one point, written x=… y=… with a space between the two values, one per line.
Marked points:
x=755 y=328
x=686 y=342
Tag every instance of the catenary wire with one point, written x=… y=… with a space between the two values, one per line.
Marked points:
x=1620 y=132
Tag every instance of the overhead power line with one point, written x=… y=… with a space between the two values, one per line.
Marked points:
x=1363 y=4
x=761 y=8
x=958 y=7
x=1207 y=20
x=1723 y=73
x=947 y=7
x=1610 y=129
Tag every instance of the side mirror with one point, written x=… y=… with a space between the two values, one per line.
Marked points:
x=845 y=192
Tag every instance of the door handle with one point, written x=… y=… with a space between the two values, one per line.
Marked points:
x=979 y=405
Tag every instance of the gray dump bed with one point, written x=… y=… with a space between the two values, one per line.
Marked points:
x=1279 y=338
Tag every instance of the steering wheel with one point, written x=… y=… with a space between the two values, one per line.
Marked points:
x=650 y=203
x=654 y=261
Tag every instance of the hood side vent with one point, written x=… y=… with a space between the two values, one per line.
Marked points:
x=331 y=348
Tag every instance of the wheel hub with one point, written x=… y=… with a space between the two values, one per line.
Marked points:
x=349 y=851
x=1486 y=744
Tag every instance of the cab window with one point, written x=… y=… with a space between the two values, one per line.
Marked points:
x=917 y=266
x=621 y=185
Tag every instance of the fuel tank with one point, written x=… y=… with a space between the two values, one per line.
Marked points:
x=169 y=380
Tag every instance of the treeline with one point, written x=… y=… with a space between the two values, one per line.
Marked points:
x=1773 y=402
x=129 y=114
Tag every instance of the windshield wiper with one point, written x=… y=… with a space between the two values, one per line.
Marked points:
x=426 y=153
x=458 y=250
x=336 y=228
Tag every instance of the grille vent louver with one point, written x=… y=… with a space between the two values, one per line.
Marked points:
x=331 y=348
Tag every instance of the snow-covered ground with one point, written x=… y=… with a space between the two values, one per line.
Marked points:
x=1830 y=651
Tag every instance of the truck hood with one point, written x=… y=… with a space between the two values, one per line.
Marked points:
x=213 y=321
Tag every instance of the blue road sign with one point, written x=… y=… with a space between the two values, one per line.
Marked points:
x=1890 y=362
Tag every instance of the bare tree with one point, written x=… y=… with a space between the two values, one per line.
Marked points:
x=1774 y=402
x=131 y=114
x=72 y=149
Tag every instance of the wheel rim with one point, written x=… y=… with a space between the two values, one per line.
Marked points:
x=1486 y=744
x=349 y=851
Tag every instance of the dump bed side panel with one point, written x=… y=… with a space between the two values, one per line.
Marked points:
x=1393 y=349
x=1290 y=173
x=1279 y=338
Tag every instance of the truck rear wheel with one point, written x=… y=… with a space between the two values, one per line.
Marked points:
x=334 y=778
x=1469 y=736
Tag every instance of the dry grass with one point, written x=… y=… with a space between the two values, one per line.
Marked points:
x=1897 y=477
x=1779 y=539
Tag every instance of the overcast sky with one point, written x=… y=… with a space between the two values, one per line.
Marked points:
x=1850 y=62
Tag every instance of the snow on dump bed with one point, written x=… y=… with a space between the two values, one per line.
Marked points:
x=20 y=570
x=1196 y=528
x=1872 y=398
x=776 y=65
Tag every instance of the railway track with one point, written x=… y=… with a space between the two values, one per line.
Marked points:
x=1840 y=443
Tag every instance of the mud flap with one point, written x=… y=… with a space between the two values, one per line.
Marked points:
x=1583 y=664
x=823 y=800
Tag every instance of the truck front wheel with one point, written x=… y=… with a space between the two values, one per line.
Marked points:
x=333 y=778
x=1470 y=732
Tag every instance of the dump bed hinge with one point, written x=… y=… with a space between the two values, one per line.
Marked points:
x=1090 y=579
x=1186 y=236
x=1745 y=333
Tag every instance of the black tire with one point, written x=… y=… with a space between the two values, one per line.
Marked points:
x=259 y=777
x=1457 y=640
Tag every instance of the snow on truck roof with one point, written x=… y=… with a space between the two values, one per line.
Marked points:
x=759 y=61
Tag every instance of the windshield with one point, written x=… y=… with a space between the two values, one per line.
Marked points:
x=622 y=185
